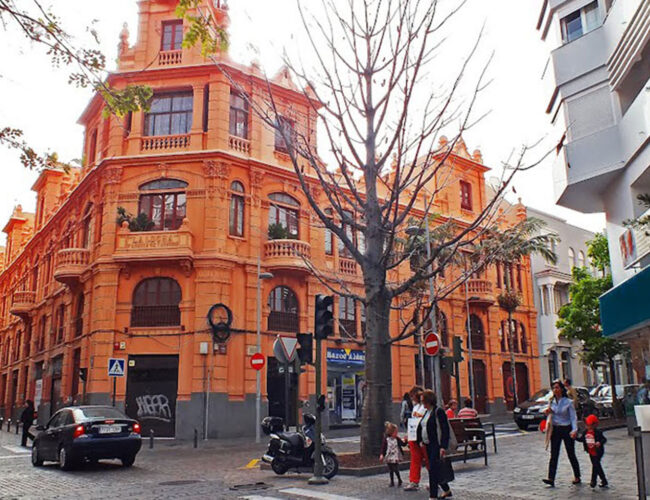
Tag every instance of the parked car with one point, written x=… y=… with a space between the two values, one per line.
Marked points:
x=531 y=411
x=87 y=433
x=603 y=397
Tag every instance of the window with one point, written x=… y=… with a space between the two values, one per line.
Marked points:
x=60 y=317
x=344 y=251
x=465 y=195
x=552 y=366
x=167 y=209
x=285 y=128
x=565 y=364
x=329 y=243
x=86 y=228
x=580 y=22
x=156 y=303
x=347 y=317
x=79 y=316
x=476 y=332
x=572 y=258
x=581 y=259
x=499 y=278
x=41 y=334
x=362 y=314
x=283 y=305
x=172 y=35
x=169 y=114
x=237 y=209
x=239 y=115
x=522 y=335
x=283 y=211
x=92 y=147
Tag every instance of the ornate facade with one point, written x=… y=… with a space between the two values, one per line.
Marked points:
x=219 y=193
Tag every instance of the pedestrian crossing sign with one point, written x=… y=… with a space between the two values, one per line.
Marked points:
x=115 y=367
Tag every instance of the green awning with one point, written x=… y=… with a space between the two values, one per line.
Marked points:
x=626 y=307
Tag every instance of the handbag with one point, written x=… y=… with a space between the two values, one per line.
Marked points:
x=453 y=442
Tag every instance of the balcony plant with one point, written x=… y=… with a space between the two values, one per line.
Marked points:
x=138 y=223
x=277 y=231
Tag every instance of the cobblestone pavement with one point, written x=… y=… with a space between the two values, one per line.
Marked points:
x=175 y=470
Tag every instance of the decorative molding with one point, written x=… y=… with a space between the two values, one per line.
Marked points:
x=113 y=175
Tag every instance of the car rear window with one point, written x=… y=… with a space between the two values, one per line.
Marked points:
x=99 y=412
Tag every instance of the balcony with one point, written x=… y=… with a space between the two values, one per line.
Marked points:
x=22 y=303
x=165 y=142
x=169 y=57
x=239 y=145
x=348 y=266
x=287 y=254
x=70 y=265
x=154 y=246
x=480 y=292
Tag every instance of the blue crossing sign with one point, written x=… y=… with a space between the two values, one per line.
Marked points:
x=115 y=367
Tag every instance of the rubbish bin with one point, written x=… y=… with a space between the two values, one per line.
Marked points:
x=643 y=455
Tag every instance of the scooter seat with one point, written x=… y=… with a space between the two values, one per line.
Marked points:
x=293 y=438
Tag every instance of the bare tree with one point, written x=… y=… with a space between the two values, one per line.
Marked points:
x=382 y=103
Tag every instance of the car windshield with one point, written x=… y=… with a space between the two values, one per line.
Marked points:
x=99 y=412
x=542 y=396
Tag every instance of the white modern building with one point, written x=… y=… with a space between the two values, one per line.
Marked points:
x=599 y=99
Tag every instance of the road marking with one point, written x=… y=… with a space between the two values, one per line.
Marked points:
x=251 y=464
x=16 y=449
x=259 y=497
x=12 y=456
x=315 y=494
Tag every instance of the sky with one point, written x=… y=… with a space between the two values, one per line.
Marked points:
x=36 y=97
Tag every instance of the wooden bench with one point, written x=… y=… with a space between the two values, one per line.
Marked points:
x=472 y=439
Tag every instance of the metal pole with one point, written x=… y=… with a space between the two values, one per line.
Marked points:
x=640 y=465
x=435 y=368
x=420 y=342
x=287 y=381
x=114 y=389
x=469 y=346
x=318 y=477
x=258 y=374
x=206 y=376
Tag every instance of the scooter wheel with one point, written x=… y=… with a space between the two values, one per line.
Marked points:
x=330 y=465
x=278 y=467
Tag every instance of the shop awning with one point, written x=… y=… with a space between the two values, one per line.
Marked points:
x=626 y=307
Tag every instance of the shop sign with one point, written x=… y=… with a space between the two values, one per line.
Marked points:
x=348 y=398
x=346 y=356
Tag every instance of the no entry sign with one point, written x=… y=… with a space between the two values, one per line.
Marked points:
x=431 y=344
x=257 y=361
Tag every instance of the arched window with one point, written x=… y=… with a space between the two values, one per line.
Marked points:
x=156 y=303
x=283 y=304
x=477 y=333
x=164 y=203
x=572 y=258
x=237 y=209
x=347 y=317
x=522 y=335
x=581 y=259
x=86 y=227
x=283 y=213
x=505 y=336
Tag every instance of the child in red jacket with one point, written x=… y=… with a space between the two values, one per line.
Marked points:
x=594 y=444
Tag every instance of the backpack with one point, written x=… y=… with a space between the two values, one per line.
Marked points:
x=453 y=442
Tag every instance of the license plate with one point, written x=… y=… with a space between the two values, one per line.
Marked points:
x=110 y=429
x=528 y=417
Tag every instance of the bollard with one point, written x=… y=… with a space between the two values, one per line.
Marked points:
x=640 y=466
x=196 y=438
x=151 y=439
x=8 y=425
x=17 y=425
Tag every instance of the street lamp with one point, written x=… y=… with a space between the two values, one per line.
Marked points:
x=258 y=395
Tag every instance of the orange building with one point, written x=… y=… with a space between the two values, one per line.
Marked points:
x=78 y=287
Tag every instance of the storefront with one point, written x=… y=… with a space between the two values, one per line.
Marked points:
x=345 y=384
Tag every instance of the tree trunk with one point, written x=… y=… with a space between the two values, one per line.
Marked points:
x=616 y=406
x=378 y=400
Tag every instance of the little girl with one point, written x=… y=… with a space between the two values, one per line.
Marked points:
x=391 y=452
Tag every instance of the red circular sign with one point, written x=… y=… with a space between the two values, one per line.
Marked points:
x=257 y=361
x=431 y=344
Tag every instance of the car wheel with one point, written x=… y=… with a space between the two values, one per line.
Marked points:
x=36 y=459
x=65 y=460
x=128 y=460
x=522 y=425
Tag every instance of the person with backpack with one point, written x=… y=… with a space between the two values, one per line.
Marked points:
x=434 y=432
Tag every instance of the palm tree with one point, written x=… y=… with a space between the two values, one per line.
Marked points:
x=509 y=246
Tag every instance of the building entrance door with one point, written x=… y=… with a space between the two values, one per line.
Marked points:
x=151 y=391
x=480 y=386
x=523 y=392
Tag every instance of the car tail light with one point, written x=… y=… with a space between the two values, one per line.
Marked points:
x=78 y=431
x=136 y=428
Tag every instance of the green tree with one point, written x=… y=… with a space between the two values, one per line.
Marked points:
x=598 y=252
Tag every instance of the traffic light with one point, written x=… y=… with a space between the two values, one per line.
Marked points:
x=323 y=318
x=320 y=404
x=305 y=348
x=447 y=364
x=83 y=373
x=458 y=349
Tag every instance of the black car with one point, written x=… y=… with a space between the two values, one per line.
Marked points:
x=531 y=411
x=87 y=433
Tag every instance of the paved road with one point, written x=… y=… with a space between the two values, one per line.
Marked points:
x=222 y=469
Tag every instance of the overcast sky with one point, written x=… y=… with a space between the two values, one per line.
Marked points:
x=37 y=98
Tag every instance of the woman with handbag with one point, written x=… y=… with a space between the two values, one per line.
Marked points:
x=433 y=432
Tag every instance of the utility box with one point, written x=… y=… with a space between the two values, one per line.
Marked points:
x=204 y=347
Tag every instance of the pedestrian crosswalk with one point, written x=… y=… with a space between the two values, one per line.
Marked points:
x=300 y=493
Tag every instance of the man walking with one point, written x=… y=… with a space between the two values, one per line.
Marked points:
x=27 y=419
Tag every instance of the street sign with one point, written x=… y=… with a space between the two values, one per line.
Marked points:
x=431 y=344
x=116 y=367
x=257 y=361
x=284 y=349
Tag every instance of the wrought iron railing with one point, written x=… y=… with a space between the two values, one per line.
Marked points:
x=155 y=316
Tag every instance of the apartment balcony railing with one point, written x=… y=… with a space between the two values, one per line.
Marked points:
x=287 y=254
x=70 y=265
x=168 y=57
x=165 y=142
x=239 y=144
x=348 y=266
x=283 y=322
x=480 y=291
x=155 y=316
x=22 y=303
x=154 y=245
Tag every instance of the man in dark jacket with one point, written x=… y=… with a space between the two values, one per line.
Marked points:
x=27 y=419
